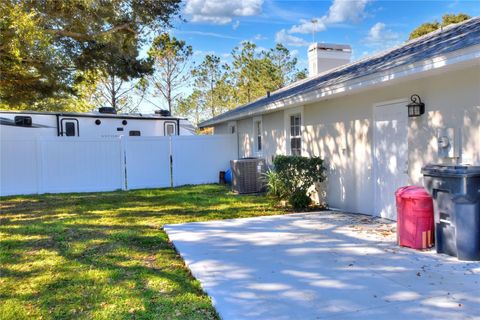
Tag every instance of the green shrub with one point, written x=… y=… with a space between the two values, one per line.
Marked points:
x=296 y=175
x=299 y=200
x=274 y=185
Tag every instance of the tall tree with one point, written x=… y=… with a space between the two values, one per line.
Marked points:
x=300 y=75
x=220 y=86
x=206 y=76
x=51 y=41
x=428 y=27
x=255 y=72
x=112 y=91
x=30 y=69
x=285 y=65
x=191 y=106
x=246 y=68
x=171 y=61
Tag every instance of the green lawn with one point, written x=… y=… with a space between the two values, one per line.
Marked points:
x=105 y=255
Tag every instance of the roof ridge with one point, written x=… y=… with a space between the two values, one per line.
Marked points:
x=443 y=40
x=387 y=51
x=369 y=57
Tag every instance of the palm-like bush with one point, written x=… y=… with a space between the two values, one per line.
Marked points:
x=274 y=185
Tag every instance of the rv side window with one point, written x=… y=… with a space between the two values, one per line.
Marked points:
x=134 y=133
x=23 y=121
x=170 y=129
x=70 y=129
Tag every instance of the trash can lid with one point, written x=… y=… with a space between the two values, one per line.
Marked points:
x=451 y=170
x=416 y=193
x=401 y=190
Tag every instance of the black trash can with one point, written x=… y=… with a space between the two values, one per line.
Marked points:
x=456 y=197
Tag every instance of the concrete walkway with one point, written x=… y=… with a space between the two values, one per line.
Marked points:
x=323 y=266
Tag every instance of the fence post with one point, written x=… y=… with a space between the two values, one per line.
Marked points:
x=39 y=141
x=123 y=163
x=170 y=140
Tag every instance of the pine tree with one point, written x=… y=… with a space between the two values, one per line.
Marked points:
x=428 y=27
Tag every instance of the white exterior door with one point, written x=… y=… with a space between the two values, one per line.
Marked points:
x=390 y=155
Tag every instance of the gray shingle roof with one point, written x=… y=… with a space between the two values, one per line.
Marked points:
x=437 y=43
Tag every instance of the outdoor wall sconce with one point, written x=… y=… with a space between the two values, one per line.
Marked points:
x=415 y=108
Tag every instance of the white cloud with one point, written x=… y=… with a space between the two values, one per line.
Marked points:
x=201 y=53
x=259 y=37
x=260 y=49
x=346 y=10
x=283 y=37
x=235 y=25
x=380 y=36
x=340 y=11
x=205 y=34
x=221 y=11
x=308 y=26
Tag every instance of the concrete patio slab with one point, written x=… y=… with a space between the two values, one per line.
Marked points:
x=320 y=266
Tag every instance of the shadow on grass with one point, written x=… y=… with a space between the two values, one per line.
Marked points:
x=105 y=255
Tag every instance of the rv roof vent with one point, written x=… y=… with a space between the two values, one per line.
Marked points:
x=163 y=113
x=108 y=110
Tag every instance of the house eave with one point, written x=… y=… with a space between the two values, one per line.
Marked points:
x=436 y=65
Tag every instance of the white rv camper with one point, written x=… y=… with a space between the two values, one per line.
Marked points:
x=104 y=123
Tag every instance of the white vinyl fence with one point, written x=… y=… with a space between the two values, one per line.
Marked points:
x=148 y=162
x=197 y=159
x=69 y=164
x=79 y=165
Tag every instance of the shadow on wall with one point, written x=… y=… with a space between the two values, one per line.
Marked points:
x=347 y=150
x=246 y=144
x=423 y=147
x=273 y=144
x=471 y=136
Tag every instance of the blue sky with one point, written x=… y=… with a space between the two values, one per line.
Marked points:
x=217 y=26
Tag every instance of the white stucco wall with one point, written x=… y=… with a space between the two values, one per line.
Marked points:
x=245 y=137
x=221 y=129
x=273 y=135
x=340 y=131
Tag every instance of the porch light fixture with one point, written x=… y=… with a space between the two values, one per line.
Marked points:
x=415 y=108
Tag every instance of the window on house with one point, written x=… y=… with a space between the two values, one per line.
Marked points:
x=258 y=135
x=296 y=134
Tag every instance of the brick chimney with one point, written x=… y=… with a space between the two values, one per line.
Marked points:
x=325 y=56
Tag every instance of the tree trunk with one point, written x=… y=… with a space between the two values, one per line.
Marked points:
x=211 y=98
x=113 y=94
x=169 y=96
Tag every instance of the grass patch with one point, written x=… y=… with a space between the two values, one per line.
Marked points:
x=105 y=255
